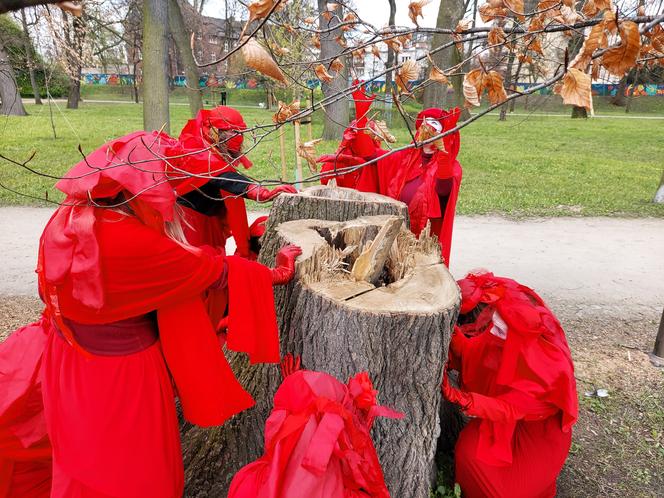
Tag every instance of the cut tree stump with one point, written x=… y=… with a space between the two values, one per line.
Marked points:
x=398 y=330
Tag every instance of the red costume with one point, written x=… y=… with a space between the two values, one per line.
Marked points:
x=517 y=381
x=427 y=182
x=209 y=148
x=317 y=442
x=124 y=322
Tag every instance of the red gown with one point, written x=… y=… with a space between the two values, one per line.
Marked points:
x=519 y=387
x=108 y=421
x=317 y=442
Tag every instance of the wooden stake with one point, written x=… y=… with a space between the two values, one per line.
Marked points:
x=282 y=147
x=311 y=120
x=298 y=159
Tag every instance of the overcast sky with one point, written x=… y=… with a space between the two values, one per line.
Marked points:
x=375 y=12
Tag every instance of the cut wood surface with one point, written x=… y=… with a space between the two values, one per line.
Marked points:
x=397 y=329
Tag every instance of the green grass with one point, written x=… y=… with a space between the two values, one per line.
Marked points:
x=526 y=166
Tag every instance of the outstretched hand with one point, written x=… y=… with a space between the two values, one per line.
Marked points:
x=285 y=265
x=261 y=194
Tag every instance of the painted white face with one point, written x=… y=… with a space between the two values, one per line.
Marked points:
x=499 y=328
x=435 y=124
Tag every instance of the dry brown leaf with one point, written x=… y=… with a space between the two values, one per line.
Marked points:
x=604 y=4
x=307 y=151
x=569 y=15
x=618 y=60
x=425 y=132
x=258 y=9
x=341 y=41
x=309 y=20
x=408 y=72
x=349 y=18
x=496 y=36
x=415 y=9
x=472 y=87
x=379 y=128
x=285 y=111
x=463 y=25
x=322 y=74
x=405 y=39
x=394 y=44
x=656 y=37
x=493 y=83
x=278 y=50
x=438 y=76
x=576 y=88
x=594 y=73
x=610 y=22
x=315 y=41
x=525 y=58
x=489 y=13
x=336 y=65
x=375 y=51
x=516 y=7
x=74 y=8
x=256 y=57
x=589 y=9
x=596 y=39
x=358 y=54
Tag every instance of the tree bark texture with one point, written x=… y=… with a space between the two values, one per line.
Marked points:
x=10 y=96
x=181 y=36
x=435 y=94
x=398 y=332
x=155 y=65
x=27 y=43
x=75 y=36
x=391 y=56
x=336 y=113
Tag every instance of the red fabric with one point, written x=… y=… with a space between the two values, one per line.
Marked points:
x=194 y=159
x=317 y=442
x=519 y=387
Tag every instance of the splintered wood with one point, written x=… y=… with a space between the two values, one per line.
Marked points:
x=371 y=262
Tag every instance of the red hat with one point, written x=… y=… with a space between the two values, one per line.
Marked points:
x=448 y=120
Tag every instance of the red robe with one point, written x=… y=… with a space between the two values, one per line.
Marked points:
x=317 y=442
x=520 y=389
x=111 y=419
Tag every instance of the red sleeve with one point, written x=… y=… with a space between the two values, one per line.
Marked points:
x=207 y=388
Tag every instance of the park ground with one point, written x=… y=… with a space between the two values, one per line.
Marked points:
x=562 y=205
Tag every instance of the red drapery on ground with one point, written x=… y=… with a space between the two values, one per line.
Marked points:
x=517 y=378
x=317 y=442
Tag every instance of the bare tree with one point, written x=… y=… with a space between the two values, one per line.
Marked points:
x=28 y=58
x=74 y=30
x=10 y=96
x=155 y=65
x=181 y=35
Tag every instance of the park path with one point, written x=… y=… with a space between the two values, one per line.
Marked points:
x=608 y=263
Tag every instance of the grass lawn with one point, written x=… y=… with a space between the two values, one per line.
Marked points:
x=526 y=166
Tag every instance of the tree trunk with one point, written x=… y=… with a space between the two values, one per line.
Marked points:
x=335 y=114
x=28 y=58
x=619 y=98
x=181 y=36
x=10 y=96
x=398 y=333
x=435 y=94
x=659 y=195
x=75 y=38
x=155 y=65
x=391 y=56
x=579 y=112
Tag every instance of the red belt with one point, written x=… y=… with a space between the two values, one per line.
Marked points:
x=120 y=338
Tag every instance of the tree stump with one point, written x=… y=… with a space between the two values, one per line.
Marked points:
x=396 y=328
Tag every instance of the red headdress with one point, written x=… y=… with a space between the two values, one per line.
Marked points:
x=448 y=120
x=195 y=153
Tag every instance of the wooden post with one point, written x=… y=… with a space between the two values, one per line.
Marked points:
x=657 y=355
x=310 y=131
x=282 y=147
x=298 y=159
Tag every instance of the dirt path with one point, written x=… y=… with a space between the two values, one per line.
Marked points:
x=611 y=263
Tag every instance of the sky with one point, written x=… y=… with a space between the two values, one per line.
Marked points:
x=375 y=12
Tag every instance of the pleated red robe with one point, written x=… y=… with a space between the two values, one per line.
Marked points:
x=111 y=419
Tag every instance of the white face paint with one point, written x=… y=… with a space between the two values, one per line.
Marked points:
x=434 y=123
x=499 y=328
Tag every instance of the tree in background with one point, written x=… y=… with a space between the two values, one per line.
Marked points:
x=10 y=96
x=155 y=65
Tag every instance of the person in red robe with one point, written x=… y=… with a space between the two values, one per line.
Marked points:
x=88 y=390
x=318 y=442
x=516 y=382
x=426 y=177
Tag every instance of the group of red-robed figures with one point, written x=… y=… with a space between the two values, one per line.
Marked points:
x=140 y=295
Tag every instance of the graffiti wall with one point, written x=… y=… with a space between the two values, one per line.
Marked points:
x=212 y=81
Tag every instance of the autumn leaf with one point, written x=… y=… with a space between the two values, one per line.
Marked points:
x=472 y=87
x=492 y=81
x=315 y=41
x=394 y=44
x=358 y=54
x=256 y=57
x=604 y=4
x=336 y=65
x=415 y=9
x=589 y=9
x=277 y=50
x=516 y=7
x=379 y=128
x=656 y=37
x=285 y=111
x=618 y=60
x=408 y=72
x=496 y=36
x=438 y=76
x=426 y=131
x=309 y=20
x=341 y=41
x=322 y=74
x=576 y=88
x=462 y=26
x=596 y=39
x=489 y=13
x=349 y=18
x=258 y=9
x=375 y=51
x=307 y=151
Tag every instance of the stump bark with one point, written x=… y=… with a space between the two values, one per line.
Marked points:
x=397 y=329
